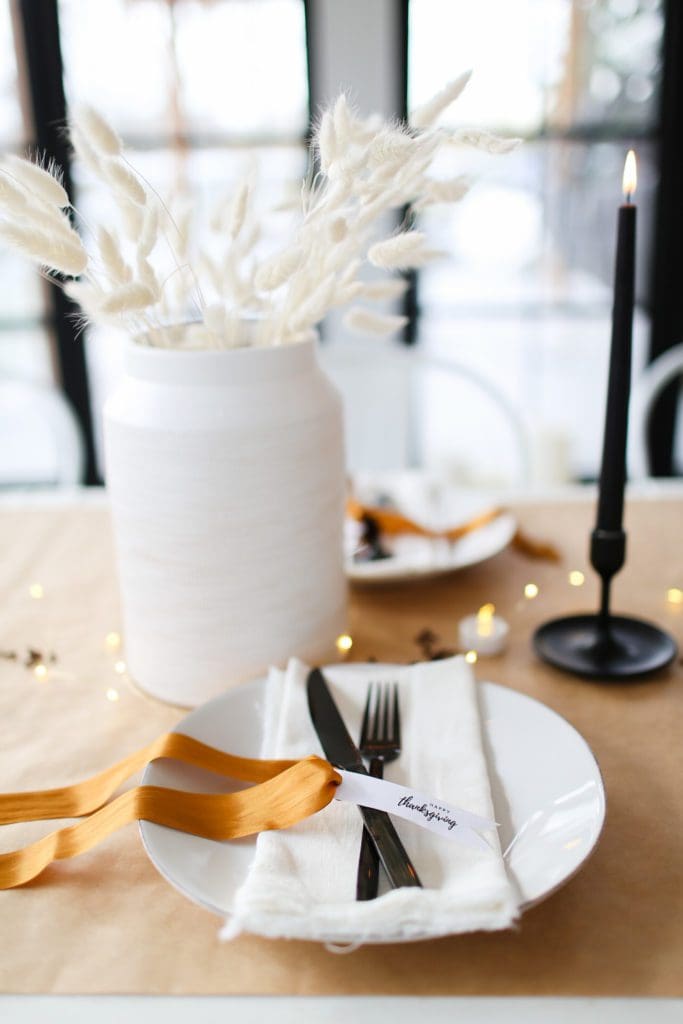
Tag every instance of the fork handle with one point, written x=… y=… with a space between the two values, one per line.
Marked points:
x=367 y=880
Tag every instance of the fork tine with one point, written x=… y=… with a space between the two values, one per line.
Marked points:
x=385 y=712
x=375 y=728
x=364 y=736
x=397 y=718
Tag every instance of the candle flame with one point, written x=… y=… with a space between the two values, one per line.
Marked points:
x=630 y=179
x=485 y=619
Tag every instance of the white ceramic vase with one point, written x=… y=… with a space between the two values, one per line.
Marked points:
x=225 y=472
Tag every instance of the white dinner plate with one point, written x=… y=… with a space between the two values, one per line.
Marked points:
x=547 y=792
x=413 y=557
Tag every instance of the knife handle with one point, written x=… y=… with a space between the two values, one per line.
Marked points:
x=391 y=850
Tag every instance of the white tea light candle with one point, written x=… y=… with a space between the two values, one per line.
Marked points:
x=486 y=633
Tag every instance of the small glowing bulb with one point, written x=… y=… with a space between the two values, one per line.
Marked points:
x=471 y=657
x=674 y=595
x=112 y=641
x=576 y=578
x=36 y=591
x=112 y=694
x=344 y=643
x=120 y=667
x=485 y=619
x=530 y=591
x=40 y=671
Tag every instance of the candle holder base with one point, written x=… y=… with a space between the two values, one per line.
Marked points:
x=612 y=649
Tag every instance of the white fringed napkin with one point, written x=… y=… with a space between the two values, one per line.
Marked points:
x=302 y=881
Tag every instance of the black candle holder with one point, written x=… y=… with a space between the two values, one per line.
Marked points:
x=605 y=646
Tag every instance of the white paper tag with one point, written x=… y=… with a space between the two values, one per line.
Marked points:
x=425 y=811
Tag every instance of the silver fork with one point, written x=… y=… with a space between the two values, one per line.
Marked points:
x=380 y=743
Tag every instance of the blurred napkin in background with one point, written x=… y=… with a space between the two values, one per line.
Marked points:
x=302 y=881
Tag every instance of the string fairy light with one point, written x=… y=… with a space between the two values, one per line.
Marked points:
x=530 y=591
x=36 y=591
x=471 y=657
x=344 y=643
x=112 y=694
x=40 y=671
x=674 y=595
x=112 y=641
x=119 y=667
x=576 y=578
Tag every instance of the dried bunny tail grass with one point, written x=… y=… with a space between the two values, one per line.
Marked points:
x=125 y=182
x=364 y=321
x=278 y=269
x=381 y=290
x=399 y=252
x=486 y=141
x=326 y=138
x=148 y=276
x=97 y=131
x=110 y=252
x=448 y=191
x=132 y=218
x=390 y=148
x=313 y=309
x=86 y=295
x=44 y=182
x=348 y=276
x=84 y=151
x=238 y=210
x=212 y=270
x=425 y=115
x=214 y=317
x=149 y=236
x=348 y=293
x=13 y=197
x=55 y=251
x=338 y=229
x=344 y=122
x=127 y=298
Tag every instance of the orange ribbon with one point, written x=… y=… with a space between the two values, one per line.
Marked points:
x=392 y=523
x=286 y=792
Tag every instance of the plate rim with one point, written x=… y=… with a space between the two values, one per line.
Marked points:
x=486 y=684
x=408 y=574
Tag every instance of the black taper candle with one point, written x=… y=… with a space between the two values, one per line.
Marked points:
x=608 y=541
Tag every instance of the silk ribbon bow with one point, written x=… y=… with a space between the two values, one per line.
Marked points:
x=286 y=792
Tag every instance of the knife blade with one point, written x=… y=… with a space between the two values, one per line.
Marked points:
x=341 y=751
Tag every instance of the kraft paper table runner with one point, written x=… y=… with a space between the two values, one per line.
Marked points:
x=108 y=923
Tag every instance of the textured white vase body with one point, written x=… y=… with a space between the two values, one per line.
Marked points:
x=225 y=471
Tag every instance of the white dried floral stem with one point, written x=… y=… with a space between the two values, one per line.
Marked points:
x=380 y=291
x=365 y=320
x=50 y=250
x=486 y=141
x=114 y=264
x=100 y=135
x=40 y=181
x=425 y=115
x=239 y=209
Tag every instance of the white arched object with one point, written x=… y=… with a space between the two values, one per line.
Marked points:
x=40 y=438
x=646 y=390
x=390 y=392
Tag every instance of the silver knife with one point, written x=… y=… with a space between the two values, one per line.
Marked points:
x=341 y=751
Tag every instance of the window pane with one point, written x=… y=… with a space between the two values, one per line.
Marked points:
x=155 y=68
x=24 y=347
x=524 y=294
x=12 y=133
x=539 y=64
